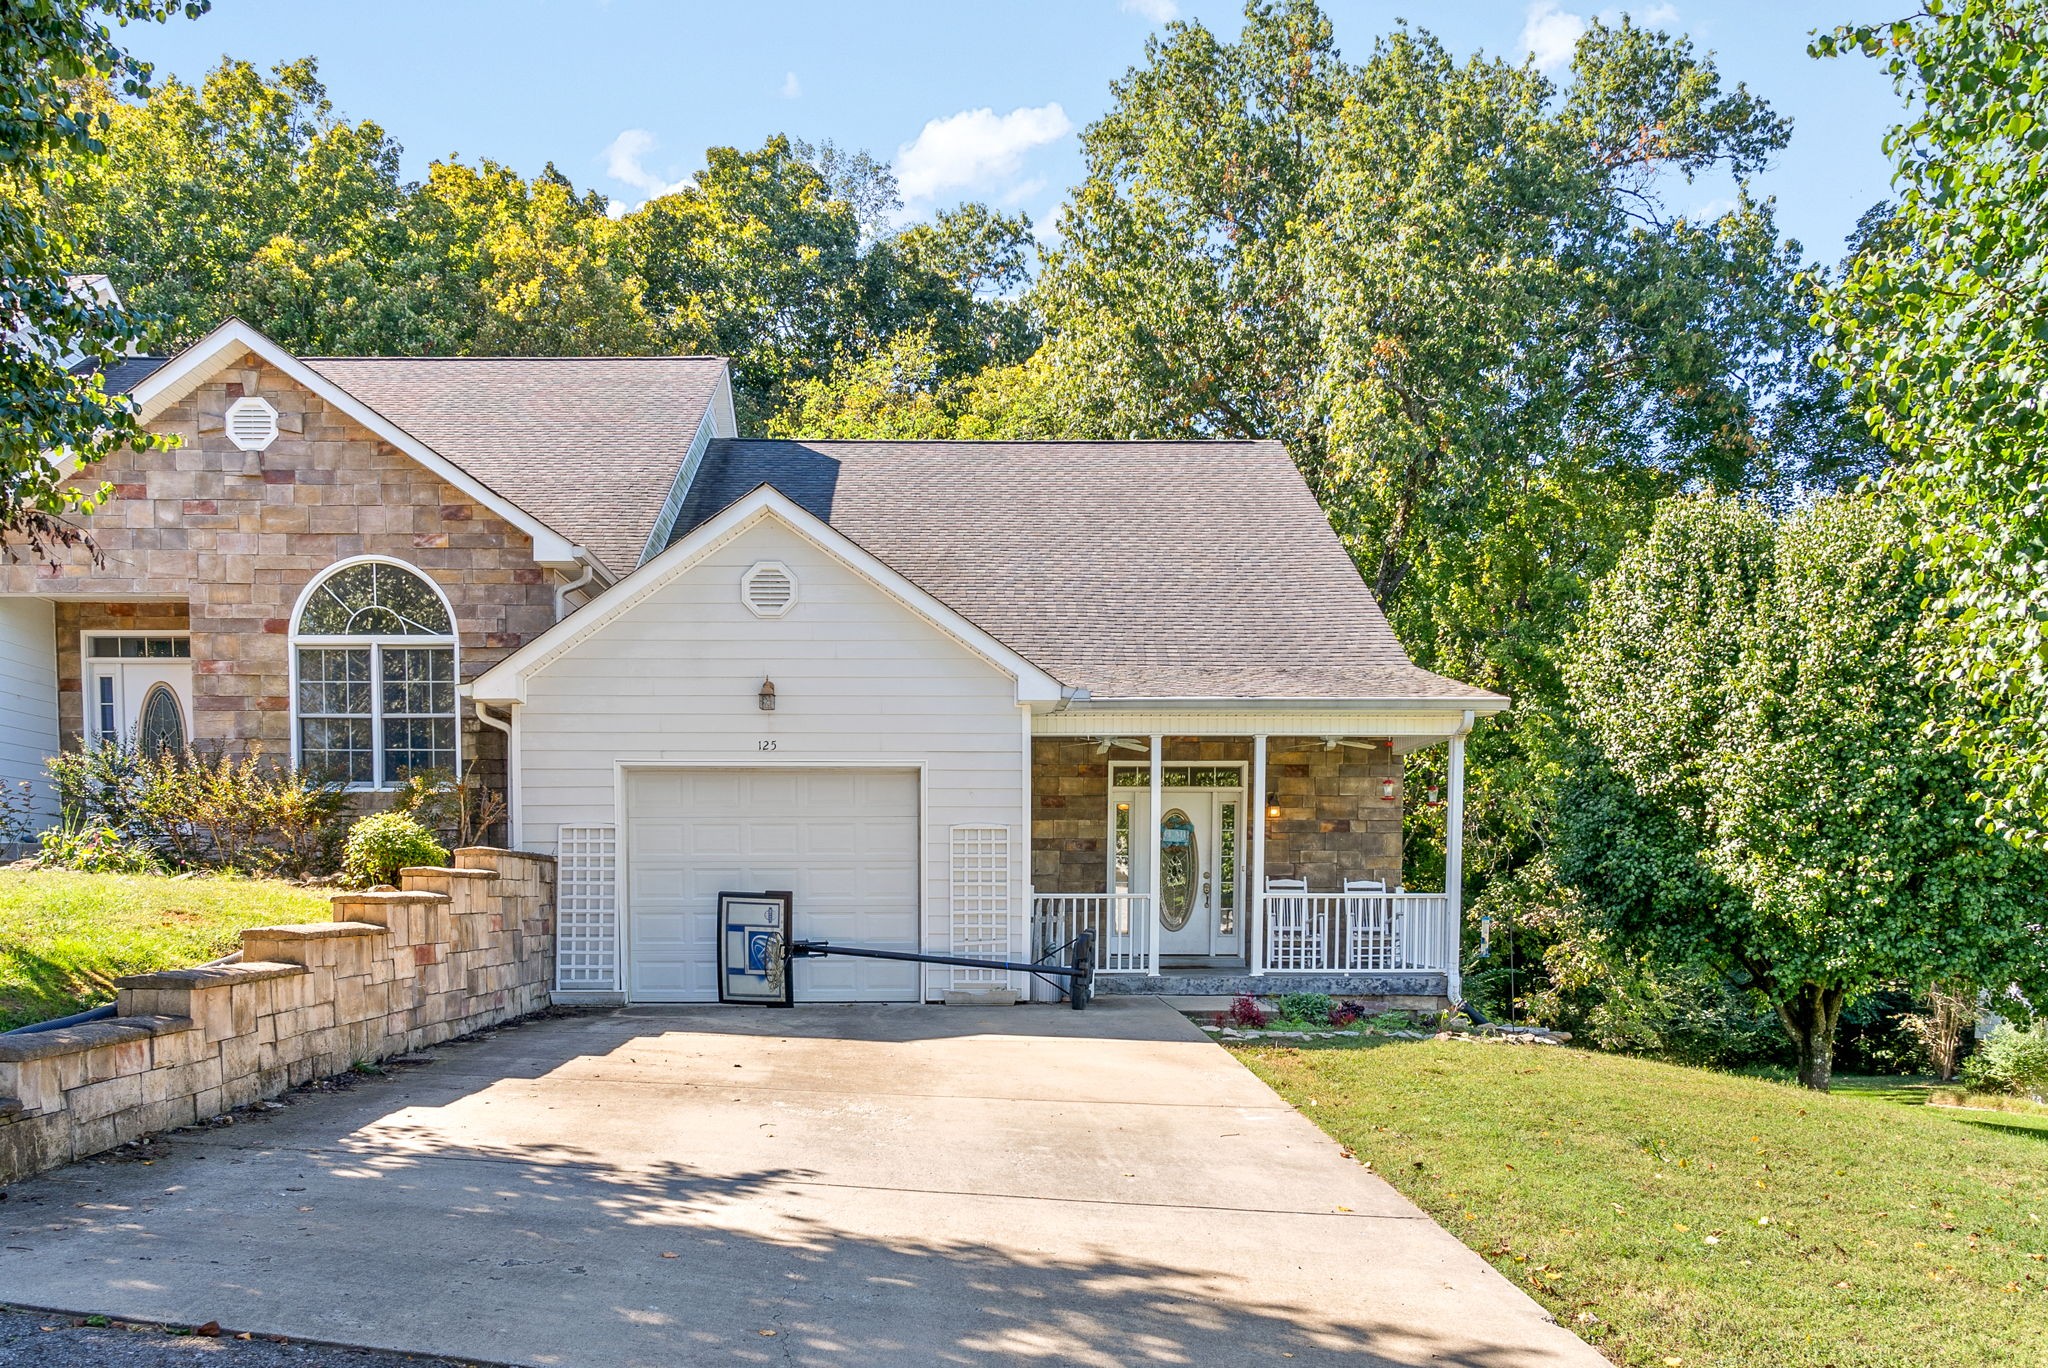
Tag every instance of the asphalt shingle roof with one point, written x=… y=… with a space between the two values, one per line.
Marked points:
x=1130 y=569
x=589 y=445
x=126 y=373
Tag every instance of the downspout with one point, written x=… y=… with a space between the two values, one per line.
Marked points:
x=511 y=767
x=567 y=587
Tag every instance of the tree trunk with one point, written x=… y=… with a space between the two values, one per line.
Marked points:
x=1810 y=1017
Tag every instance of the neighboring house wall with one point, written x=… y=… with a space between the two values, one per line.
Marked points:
x=28 y=693
x=1333 y=824
x=858 y=678
x=240 y=534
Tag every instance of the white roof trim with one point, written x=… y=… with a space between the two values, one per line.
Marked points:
x=221 y=348
x=505 y=682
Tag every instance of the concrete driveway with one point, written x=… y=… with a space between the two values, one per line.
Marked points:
x=821 y=1186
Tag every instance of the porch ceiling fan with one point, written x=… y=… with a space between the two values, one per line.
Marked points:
x=1125 y=742
x=1332 y=742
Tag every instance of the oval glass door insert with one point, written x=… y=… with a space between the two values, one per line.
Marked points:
x=1179 y=868
x=160 y=726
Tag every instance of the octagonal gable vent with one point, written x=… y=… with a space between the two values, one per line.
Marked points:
x=251 y=423
x=768 y=589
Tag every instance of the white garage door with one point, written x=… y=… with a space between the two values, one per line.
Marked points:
x=844 y=841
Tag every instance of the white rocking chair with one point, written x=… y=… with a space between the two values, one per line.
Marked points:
x=1370 y=937
x=1296 y=937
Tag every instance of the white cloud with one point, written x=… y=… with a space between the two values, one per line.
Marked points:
x=1551 y=33
x=791 y=87
x=1158 y=11
x=974 y=148
x=625 y=162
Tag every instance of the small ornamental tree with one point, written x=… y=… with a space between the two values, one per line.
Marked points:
x=1758 y=791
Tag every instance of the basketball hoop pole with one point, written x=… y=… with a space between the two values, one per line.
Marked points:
x=1079 y=970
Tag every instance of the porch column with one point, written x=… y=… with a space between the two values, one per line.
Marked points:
x=1152 y=860
x=1454 y=869
x=1258 y=805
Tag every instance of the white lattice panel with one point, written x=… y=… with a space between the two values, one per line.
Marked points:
x=981 y=900
x=587 y=909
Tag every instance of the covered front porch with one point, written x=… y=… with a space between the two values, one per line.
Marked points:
x=1218 y=855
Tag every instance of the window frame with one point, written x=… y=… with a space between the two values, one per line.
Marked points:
x=452 y=641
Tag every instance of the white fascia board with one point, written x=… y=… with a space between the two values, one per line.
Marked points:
x=724 y=424
x=505 y=682
x=1485 y=705
x=221 y=348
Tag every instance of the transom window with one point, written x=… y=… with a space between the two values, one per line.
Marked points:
x=374 y=647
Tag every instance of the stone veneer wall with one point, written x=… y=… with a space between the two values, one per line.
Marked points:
x=1333 y=824
x=238 y=534
x=453 y=951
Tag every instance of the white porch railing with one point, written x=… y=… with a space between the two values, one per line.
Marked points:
x=1345 y=933
x=1122 y=923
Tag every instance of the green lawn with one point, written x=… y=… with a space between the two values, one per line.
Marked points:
x=65 y=938
x=1680 y=1216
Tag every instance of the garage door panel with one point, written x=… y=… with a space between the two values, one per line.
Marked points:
x=844 y=842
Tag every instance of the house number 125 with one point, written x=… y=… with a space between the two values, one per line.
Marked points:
x=764 y=745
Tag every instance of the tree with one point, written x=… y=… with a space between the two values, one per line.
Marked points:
x=48 y=48
x=1457 y=292
x=1756 y=792
x=1942 y=321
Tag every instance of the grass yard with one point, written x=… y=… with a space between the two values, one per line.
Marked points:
x=65 y=938
x=1677 y=1216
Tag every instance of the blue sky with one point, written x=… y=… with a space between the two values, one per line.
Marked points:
x=977 y=100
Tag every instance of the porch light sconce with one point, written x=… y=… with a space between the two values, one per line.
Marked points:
x=1273 y=805
x=1387 y=787
x=767 y=695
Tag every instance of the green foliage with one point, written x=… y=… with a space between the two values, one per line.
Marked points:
x=2010 y=1060
x=200 y=810
x=1753 y=793
x=1310 y=1009
x=1942 y=323
x=460 y=810
x=48 y=132
x=383 y=843
x=94 y=848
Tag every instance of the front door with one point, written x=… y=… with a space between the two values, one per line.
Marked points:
x=1187 y=874
x=139 y=690
x=1199 y=830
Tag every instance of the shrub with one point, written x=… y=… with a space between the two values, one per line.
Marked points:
x=385 y=842
x=1347 y=1014
x=199 y=810
x=17 y=815
x=459 y=810
x=97 y=850
x=1310 y=1009
x=2010 y=1060
x=1246 y=1012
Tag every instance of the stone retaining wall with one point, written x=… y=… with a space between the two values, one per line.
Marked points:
x=453 y=951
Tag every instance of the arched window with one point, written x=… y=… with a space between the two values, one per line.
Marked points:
x=373 y=663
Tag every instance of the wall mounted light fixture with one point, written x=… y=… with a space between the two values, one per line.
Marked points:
x=1273 y=804
x=767 y=695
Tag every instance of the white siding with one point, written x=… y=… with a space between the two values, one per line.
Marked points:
x=28 y=692
x=859 y=679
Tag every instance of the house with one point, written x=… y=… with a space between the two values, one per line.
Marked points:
x=969 y=697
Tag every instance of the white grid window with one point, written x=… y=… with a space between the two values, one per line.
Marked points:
x=587 y=909
x=374 y=651
x=981 y=900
